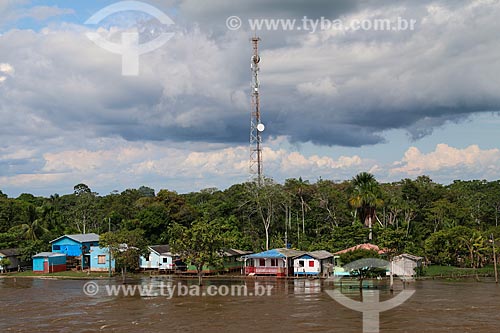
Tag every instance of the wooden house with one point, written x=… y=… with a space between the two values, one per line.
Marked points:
x=100 y=260
x=159 y=258
x=76 y=247
x=277 y=262
x=49 y=262
x=13 y=256
x=405 y=265
x=316 y=263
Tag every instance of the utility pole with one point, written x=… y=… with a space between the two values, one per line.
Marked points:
x=492 y=240
x=109 y=248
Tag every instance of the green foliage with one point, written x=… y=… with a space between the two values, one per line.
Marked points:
x=449 y=224
x=366 y=196
x=351 y=256
x=362 y=272
x=29 y=248
x=394 y=240
x=126 y=247
x=202 y=243
x=5 y=263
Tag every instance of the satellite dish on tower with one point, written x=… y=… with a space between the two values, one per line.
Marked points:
x=261 y=127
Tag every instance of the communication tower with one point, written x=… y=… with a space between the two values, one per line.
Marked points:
x=256 y=126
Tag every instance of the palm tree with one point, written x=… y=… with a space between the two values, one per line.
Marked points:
x=33 y=228
x=365 y=198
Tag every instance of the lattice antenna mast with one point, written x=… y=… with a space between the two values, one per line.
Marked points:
x=256 y=126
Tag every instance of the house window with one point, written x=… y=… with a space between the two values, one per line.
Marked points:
x=311 y=263
x=301 y=263
x=274 y=262
x=56 y=247
x=262 y=262
x=101 y=259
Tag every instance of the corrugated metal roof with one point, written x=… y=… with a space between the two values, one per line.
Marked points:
x=320 y=254
x=49 y=254
x=277 y=253
x=160 y=249
x=409 y=256
x=9 y=252
x=241 y=252
x=235 y=252
x=80 y=238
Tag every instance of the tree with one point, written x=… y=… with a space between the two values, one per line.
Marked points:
x=81 y=189
x=31 y=247
x=33 y=229
x=200 y=244
x=4 y=264
x=126 y=247
x=146 y=191
x=362 y=271
x=476 y=244
x=301 y=190
x=267 y=199
x=85 y=209
x=366 y=197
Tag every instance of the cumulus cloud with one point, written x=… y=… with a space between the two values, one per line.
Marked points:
x=177 y=167
x=41 y=13
x=5 y=69
x=449 y=163
x=69 y=103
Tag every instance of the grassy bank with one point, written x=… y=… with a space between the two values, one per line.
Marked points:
x=62 y=275
x=435 y=271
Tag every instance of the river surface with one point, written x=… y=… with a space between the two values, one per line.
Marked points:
x=41 y=305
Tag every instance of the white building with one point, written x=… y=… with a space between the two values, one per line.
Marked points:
x=159 y=258
x=314 y=263
x=405 y=264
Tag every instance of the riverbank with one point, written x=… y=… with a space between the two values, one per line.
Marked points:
x=58 y=275
x=451 y=272
x=430 y=273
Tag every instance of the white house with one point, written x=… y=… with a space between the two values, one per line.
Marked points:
x=314 y=263
x=405 y=264
x=159 y=258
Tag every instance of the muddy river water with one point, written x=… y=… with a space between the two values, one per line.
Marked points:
x=44 y=305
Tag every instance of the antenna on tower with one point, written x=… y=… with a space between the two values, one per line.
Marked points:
x=256 y=126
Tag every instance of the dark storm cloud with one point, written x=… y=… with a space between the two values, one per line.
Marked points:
x=327 y=88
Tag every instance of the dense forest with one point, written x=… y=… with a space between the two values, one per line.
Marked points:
x=448 y=224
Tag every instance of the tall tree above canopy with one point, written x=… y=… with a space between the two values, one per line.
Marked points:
x=366 y=197
x=81 y=188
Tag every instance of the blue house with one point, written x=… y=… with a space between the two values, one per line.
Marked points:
x=99 y=259
x=49 y=262
x=76 y=246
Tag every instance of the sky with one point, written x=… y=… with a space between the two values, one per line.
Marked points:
x=395 y=102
